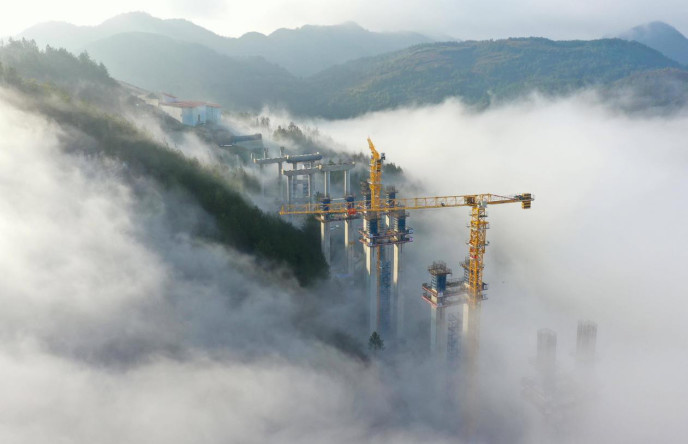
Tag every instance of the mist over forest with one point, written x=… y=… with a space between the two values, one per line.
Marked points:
x=151 y=293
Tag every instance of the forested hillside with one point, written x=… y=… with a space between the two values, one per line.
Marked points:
x=79 y=75
x=239 y=224
x=477 y=72
x=664 y=91
x=193 y=71
x=194 y=63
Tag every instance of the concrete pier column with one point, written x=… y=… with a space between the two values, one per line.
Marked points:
x=585 y=341
x=349 y=245
x=325 y=239
x=280 y=182
x=326 y=183
x=468 y=362
x=347 y=182
x=470 y=335
x=386 y=313
x=546 y=358
x=371 y=283
x=290 y=188
x=349 y=241
x=262 y=181
x=398 y=301
x=546 y=350
x=438 y=332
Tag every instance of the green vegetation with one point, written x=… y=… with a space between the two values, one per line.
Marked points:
x=194 y=72
x=664 y=90
x=478 y=72
x=239 y=223
x=306 y=140
x=375 y=342
x=248 y=73
x=79 y=75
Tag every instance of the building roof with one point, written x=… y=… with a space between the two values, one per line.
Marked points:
x=190 y=104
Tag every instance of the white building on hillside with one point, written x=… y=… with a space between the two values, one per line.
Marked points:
x=190 y=113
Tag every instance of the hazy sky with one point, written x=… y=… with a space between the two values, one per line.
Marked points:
x=465 y=19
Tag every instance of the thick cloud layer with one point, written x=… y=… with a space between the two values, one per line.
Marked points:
x=606 y=240
x=118 y=325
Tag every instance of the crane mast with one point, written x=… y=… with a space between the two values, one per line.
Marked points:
x=476 y=251
x=375 y=181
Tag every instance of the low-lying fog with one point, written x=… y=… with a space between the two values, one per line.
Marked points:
x=606 y=240
x=118 y=326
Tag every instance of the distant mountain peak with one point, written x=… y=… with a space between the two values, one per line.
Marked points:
x=652 y=28
x=662 y=37
x=133 y=14
x=351 y=24
x=319 y=29
x=131 y=17
x=253 y=35
x=141 y=18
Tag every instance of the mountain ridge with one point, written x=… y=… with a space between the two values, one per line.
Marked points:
x=303 y=51
x=159 y=63
x=51 y=82
x=477 y=72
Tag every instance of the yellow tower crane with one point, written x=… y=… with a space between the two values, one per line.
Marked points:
x=375 y=180
x=477 y=202
x=473 y=265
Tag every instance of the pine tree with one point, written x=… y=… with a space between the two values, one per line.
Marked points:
x=375 y=343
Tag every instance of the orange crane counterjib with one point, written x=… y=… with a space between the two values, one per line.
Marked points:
x=413 y=203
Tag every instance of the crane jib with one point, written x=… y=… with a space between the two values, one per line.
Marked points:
x=414 y=203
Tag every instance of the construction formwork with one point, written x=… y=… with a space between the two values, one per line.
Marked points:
x=444 y=296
